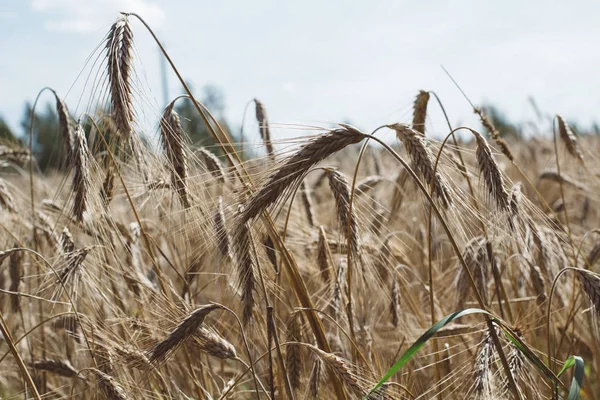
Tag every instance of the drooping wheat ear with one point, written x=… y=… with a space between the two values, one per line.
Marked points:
x=16 y=273
x=66 y=241
x=490 y=172
x=554 y=176
x=13 y=154
x=307 y=203
x=368 y=183
x=74 y=261
x=476 y=259
x=119 y=48
x=316 y=376
x=516 y=198
x=538 y=282
x=342 y=368
x=45 y=225
x=548 y=248
x=210 y=342
x=591 y=286
x=213 y=164
x=173 y=137
x=514 y=203
x=6 y=198
x=395 y=304
x=223 y=243
x=341 y=193
x=132 y=357
x=110 y=387
x=322 y=255
x=381 y=393
x=271 y=252
x=182 y=332
x=399 y=191
x=423 y=161
x=82 y=181
x=132 y=258
x=339 y=287
x=58 y=367
x=263 y=127
x=293 y=354
x=108 y=185
x=493 y=132
x=66 y=127
x=420 y=111
x=516 y=363
x=294 y=168
x=594 y=255
x=483 y=375
x=243 y=247
x=569 y=139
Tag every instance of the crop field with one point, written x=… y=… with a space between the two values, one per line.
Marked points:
x=331 y=265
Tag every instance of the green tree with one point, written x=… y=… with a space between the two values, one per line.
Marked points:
x=48 y=147
x=501 y=122
x=193 y=124
x=6 y=134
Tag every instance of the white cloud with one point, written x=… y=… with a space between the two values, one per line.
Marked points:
x=89 y=15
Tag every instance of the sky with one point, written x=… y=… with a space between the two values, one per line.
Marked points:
x=318 y=62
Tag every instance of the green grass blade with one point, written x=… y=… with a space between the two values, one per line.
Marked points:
x=410 y=353
x=578 y=375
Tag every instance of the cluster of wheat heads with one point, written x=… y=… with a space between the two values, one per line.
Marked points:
x=179 y=272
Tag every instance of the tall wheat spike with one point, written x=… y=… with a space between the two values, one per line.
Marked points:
x=420 y=111
x=423 y=161
x=263 y=127
x=490 y=171
x=569 y=138
x=172 y=138
x=82 y=180
x=119 y=48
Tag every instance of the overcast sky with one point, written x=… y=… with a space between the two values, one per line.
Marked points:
x=315 y=62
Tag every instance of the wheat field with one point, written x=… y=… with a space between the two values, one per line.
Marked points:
x=335 y=265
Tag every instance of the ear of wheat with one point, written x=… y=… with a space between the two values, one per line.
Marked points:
x=420 y=111
x=119 y=48
x=569 y=139
x=294 y=168
x=172 y=138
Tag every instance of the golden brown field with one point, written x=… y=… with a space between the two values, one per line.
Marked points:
x=306 y=273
